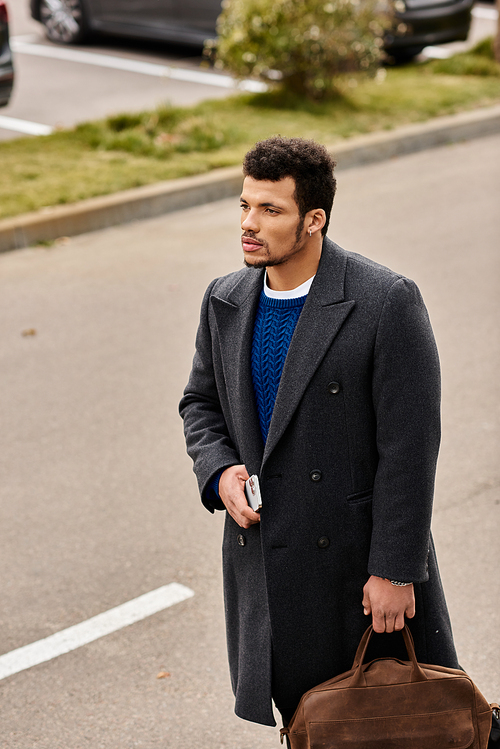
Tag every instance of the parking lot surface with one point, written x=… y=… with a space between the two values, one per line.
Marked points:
x=98 y=501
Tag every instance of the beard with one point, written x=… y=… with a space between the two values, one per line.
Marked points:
x=268 y=261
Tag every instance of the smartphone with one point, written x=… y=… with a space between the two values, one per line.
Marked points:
x=252 y=491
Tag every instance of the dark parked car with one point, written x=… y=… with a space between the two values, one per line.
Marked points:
x=418 y=22
x=6 y=67
x=421 y=23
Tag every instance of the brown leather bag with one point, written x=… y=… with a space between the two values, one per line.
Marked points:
x=392 y=704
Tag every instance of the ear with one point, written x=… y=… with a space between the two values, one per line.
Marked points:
x=315 y=221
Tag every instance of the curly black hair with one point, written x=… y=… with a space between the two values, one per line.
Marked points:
x=308 y=163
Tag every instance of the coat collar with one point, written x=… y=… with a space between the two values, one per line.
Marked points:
x=322 y=317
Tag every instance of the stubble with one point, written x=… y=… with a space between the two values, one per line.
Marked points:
x=268 y=261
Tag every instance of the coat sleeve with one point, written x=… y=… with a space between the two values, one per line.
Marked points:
x=406 y=397
x=207 y=438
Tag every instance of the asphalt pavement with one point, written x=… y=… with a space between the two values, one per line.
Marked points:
x=98 y=501
x=92 y=80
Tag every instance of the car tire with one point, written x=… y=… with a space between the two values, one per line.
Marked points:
x=64 y=20
x=404 y=55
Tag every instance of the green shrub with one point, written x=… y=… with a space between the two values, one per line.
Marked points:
x=302 y=44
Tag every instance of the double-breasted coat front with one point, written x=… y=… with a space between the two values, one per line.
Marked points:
x=346 y=474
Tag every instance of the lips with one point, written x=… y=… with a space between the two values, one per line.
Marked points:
x=250 y=245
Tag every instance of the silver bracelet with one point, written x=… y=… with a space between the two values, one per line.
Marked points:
x=399 y=584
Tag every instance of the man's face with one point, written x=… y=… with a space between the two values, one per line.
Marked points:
x=273 y=231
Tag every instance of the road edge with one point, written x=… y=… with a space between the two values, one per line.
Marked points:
x=148 y=201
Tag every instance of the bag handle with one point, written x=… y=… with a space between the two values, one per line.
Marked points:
x=358 y=678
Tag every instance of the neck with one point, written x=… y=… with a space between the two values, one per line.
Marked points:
x=297 y=270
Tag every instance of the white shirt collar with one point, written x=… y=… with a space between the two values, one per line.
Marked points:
x=301 y=290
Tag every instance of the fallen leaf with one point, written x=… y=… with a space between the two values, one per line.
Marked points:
x=163 y=675
x=29 y=331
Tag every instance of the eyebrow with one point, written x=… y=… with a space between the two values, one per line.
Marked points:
x=264 y=205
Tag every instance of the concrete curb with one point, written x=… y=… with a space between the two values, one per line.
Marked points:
x=164 y=197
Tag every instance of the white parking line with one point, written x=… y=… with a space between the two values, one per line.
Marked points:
x=24 y=126
x=134 y=66
x=437 y=53
x=92 y=629
x=491 y=14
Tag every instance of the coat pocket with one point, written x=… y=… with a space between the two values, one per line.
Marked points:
x=364 y=496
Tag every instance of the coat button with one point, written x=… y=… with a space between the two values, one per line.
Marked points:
x=241 y=539
x=323 y=542
x=333 y=388
x=315 y=475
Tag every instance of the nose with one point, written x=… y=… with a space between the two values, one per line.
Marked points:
x=249 y=221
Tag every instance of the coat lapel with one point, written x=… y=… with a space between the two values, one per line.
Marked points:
x=235 y=315
x=322 y=317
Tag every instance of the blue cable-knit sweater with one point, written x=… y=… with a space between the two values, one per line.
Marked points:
x=274 y=325
x=275 y=322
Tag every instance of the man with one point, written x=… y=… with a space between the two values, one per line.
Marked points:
x=316 y=370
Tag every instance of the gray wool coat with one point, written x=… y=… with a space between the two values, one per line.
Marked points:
x=346 y=474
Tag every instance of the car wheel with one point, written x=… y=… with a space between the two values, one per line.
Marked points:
x=404 y=55
x=64 y=20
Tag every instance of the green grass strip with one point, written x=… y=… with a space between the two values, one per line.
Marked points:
x=129 y=150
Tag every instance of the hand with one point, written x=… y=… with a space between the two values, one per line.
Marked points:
x=388 y=604
x=232 y=493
